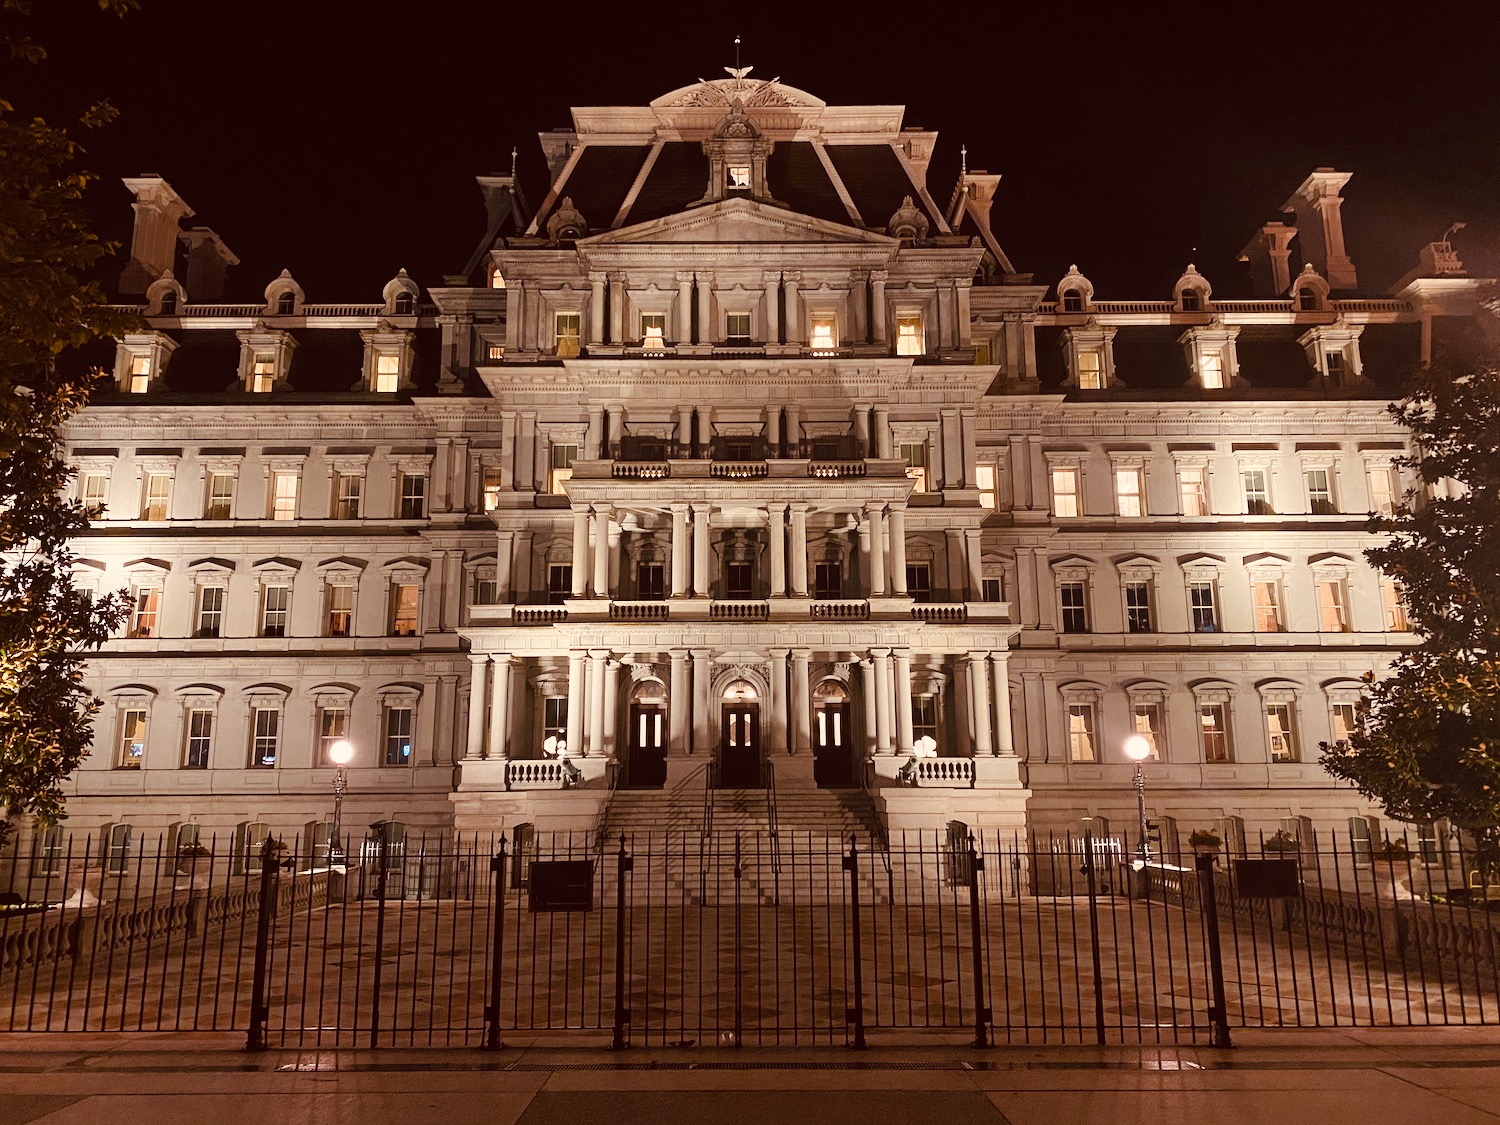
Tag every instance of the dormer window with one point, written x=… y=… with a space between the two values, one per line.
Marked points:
x=1072 y=301
x=1192 y=301
x=739 y=177
x=1307 y=300
x=286 y=304
x=497 y=279
x=406 y=304
x=262 y=373
x=140 y=374
x=1090 y=370
x=1212 y=367
x=169 y=303
x=387 y=372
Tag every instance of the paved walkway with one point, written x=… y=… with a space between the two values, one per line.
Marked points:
x=1385 y=1076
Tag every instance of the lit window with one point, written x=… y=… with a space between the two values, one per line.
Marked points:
x=1267 y=598
x=915 y=456
x=1130 y=492
x=984 y=480
x=340 y=613
x=982 y=353
x=653 y=330
x=909 y=339
x=824 y=335
x=284 y=495
x=1192 y=487
x=1081 y=745
x=1334 y=363
x=1065 y=491
x=157 y=489
x=1201 y=603
x=404 y=609
x=262 y=372
x=1257 y=497
x=275 y=606
x=1280 y=732
x=413 y=496
x=1382 y=490
x=555 y=717
x=140 y=374
x=132 y=738
x=737 y=328
x=387 y=372
x=561 y=471
x=265 y=730
x=144 y=610
x=496 y=351
x=1345 y=721
x=1394 y=604
x=924 y=719
x=739 y=177
x=490 y=484
x=92 y=488
x=200 y=739
x=1211 y=365
x=210 y=611
x=565 y=334
x=497 y=279
x=1319 y=493
x=1138 y=607
x=1090 y=370
x=220 y=497
x=1146 y=721
x=333 y=725
x=1213 y=723
x=348 y=490
x=1333 y=607
x=398 y=728
x=1075 y=613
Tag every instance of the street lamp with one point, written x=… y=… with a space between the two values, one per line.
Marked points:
x=341 y=753
x=1138 y=749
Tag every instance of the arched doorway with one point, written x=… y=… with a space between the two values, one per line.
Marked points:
x=646 y=742
x=833 y=741
x=739 y=737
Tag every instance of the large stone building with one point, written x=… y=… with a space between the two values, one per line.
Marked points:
x=741 y=448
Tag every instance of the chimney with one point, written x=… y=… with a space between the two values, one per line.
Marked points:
x=208 y=262
x=153 y=244
x=1269 y=254
x=1320 y=227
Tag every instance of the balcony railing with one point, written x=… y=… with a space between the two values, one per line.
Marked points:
x=738 y=470
x=640 y=470
x=739 y=611
x=834 y=469
x=939 y=773
x=638 y=611
x=539 y=773
x=839 y=610
x=950 y=613
x=540 y=615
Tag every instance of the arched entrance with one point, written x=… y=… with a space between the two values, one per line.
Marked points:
x=646 y=741
x=739 y=736
x=833 y=741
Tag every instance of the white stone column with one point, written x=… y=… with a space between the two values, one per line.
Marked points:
x=962 y=285
x=979 y=696
x=616 y=308
x=526 y=451
x=793 y=307
x=705 y=429
x=773 y=430
x=700 y=550
x=777 y=741
x=1005 y=741
x=601 y=550
x=706 y=332
x=799 y=550
x=801 y=717
x=680 y=703
x=499 y=745
x=952 y=443
x=881 y=658
x=616 y=553
x=771 y=279
x=580 y=550
x=684 y=307
x=522 y=566
x=702 y=740
x=679 y=550
x=883 y=432
x=794 y=429
x=593 y=439
x=478 y=673
x=872 y=719
x=898 y=549
x=876 y=515
x=877 y=306
x=775 y=520
x=611 y=707
x=577 y=698
x=865 y=579
x=596 y=307
x=684 y=430
x=593 y=738
x=858 y=281
x=974 y=549
x=902 y=658
x=862 y=428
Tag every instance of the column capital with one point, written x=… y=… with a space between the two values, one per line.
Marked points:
x=679 y=506
x=705 y=276
x=777 y=506
x=801 y=653
x=880 y=653
x=901 y=652
x=978 y=655
x=616 y=277
x=770 y=277
x=479 y=659
x=599 y=653
x=778 y=653
x=791 y=277
x=503 y=658
x=702 y=507
x=684 y=277
x=799 y=507
x=702 y=653
x=973 y=533
x=597 y=277
x=678 y=653
x=603 y=507
x=879 y=277
x=896 y=506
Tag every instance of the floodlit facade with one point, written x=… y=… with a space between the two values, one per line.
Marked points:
x=738 y=447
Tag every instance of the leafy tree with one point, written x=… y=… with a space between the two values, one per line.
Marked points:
x=1429 y=745
x=47 y=307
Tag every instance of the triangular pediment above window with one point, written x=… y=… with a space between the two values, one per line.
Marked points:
x=736 y=221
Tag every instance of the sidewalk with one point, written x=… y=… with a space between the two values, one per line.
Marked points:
x=1449 y=1076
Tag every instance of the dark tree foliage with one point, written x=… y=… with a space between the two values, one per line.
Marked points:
x=47 y=623
x=1429 y=745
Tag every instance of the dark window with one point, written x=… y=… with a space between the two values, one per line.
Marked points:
x=1201 y=597
x=1191 y=301
x=405 y=304
x=1138 y=607
x=559 y=582
x=650 y=581
x=398 y=725
x=828 y=580
x=919 y=581
x=1075 y=618
x=169 y=303
x=990 y=590
x=1072 y=301
x=1307 y=299
x=286 y=304
x=738 y=578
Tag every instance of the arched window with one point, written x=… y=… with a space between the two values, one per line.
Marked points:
x=1192 y=301
x=1072 y=301
x=169 y=303
x=497 y=279
x=405 y=304
x=1307 y=300
x=286 y=304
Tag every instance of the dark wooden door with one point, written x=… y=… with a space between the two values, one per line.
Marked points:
x=833 y=748
x=646 y=763
x=739 y=746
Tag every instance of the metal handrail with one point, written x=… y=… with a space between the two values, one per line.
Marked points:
x=711 y=782
x=612 y=780
x=768 y=783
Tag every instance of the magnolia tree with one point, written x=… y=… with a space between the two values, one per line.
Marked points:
x=47 y=623
x=1429 y=743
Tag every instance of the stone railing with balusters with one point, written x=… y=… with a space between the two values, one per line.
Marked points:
x=536 y=773
x=834 y=469
x=739 y=611
x=840 y=610
x=638 y=611
x=540 y=614
x=640 y=470
x=942 y=773
x=955 y=613
x=738 y=470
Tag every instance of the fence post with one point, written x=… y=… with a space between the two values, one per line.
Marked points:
x=622 y=1013
x=856 y=1013
x=739 y=985
x=260 y=1001
x=982 y=1016
x=380 y=877
x=492 y=1009
x=1088 y=872
x=1218 y=1012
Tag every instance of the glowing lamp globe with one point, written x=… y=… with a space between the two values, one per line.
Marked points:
x=1137 y=748
x=341 y=753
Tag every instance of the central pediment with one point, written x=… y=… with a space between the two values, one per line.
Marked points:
x=737 y=221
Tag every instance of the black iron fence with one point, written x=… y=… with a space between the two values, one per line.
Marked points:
x=674 y=939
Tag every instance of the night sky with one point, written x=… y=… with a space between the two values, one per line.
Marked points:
x=341 y=140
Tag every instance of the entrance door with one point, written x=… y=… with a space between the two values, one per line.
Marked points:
x=646 y=762
x=739 y=746
x=833 y=749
